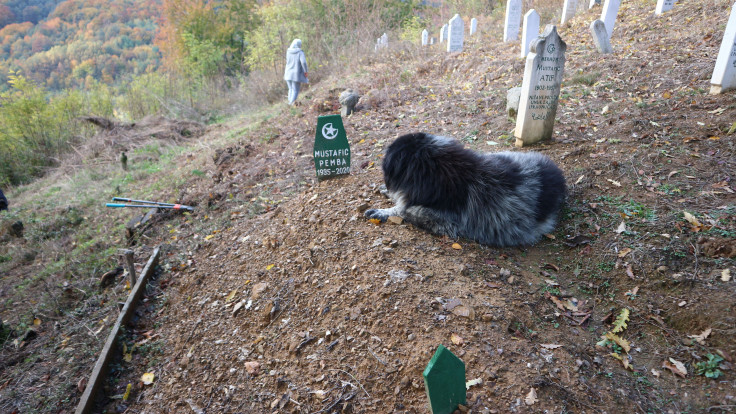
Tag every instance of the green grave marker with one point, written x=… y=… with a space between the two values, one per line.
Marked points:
x=444 y=381
x=331 y=148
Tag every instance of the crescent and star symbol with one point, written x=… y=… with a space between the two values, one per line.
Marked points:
x=328 y=131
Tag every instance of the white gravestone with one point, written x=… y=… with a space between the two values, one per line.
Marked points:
x=540 y=89
x=473 y=26
x=663 y=6
x=455 y=34
x=600 y=37
x=513 y=19
x=610 y=11
x=568 y=10
x=724 y=73
x=530 y=31
x=384 y=40
x=425 y=37
x=443 y=33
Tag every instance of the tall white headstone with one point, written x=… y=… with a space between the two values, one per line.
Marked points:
x=600 y=37
x=425 y=37
x=540 y=89
x=530 y=31
x=724 y=73
x=610 y=11
x=384 y=40
x=512 y=21
x=473 y=25
x=455 y=34
x=443 y=33
x=568 y=10
x=663 y=6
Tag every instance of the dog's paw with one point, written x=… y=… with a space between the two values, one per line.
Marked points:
x=378 y=214
x=383 y=190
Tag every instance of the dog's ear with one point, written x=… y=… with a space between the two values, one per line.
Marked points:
x=399 y=157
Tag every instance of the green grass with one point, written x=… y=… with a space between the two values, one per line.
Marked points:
x=635 y=209
x=588 y=79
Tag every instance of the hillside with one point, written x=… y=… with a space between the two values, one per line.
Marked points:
x=340 y=315
x=70 y=43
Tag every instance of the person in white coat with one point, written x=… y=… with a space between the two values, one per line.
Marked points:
x=295 y=72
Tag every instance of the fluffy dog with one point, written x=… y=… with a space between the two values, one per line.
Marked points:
x=501 y=199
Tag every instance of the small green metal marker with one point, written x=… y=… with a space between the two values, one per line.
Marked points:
x=331 y=148
x=444 y=381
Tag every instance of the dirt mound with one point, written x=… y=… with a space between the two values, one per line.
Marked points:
x=291 y=301
x=115 y=136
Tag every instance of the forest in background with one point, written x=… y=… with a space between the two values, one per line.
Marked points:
x=194 y=59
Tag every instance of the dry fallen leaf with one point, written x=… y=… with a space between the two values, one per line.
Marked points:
x=614 y=182
x=726 y=275
x=690 y=218
x=701 y=338
x=677 y=367
x=624 y=344
x=624 y=360
x=550 y=346
x=147 y=378
x=375 y=221
x=231 y=296
x=632 y=293
x=531 y=398
x=457 y=339
x=557 y=302
x=655 y=372
x=629 y=271
x=621 y=228
x=624 y=252
x=127 y=392
x=457 y=246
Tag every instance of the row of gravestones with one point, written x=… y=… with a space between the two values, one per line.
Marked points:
x=531 y=22
x=454 y=32
x=546 y=61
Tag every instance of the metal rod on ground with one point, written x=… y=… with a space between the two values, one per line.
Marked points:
x=130 y=200
x=173 y=206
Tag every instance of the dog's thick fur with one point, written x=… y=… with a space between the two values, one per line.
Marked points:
x=501 y=199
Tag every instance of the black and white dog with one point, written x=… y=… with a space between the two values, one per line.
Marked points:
x=501 y=199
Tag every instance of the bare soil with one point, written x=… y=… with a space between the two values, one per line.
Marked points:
x=276 y=295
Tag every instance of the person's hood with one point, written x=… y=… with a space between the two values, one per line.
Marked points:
x=296 y=46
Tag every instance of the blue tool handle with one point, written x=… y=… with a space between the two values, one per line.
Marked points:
x=115 y=205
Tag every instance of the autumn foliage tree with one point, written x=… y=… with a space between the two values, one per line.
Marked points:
x=189 y=28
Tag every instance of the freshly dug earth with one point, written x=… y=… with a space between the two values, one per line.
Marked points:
x=293 y=302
